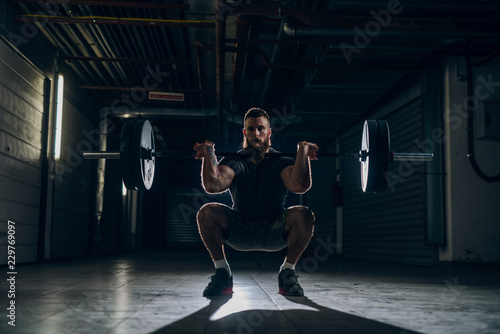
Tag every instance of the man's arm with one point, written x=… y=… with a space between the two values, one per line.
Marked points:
x=214 y=179
x=297 y=178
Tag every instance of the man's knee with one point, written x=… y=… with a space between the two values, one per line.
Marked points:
x=209 y=214
x=302 y=215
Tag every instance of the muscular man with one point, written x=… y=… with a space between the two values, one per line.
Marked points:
x=258 y=220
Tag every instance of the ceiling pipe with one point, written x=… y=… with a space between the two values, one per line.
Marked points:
x=87 y=32
x=115 y=21
x=442 y=23
x=100 y=3
x=295 y=31
x=75 y=40
x=200 y=79
x=168 y=48
x=103 y=36
x=421 y=4
x=241 y=34
x=125 y=112
x=220 y=35
x=267 y=63
x=66 y=47
x=128 y=60
x=144 y=89
x=271 y=72
x=281 y=11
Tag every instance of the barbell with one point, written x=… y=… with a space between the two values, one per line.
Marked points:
x=137 y=155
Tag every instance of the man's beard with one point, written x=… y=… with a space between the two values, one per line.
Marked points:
x=256 y=152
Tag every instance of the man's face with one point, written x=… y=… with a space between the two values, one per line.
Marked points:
x=257 y=133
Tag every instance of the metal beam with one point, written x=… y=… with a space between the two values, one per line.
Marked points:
x=130 y=60
x=115 y=21
x=132 y=4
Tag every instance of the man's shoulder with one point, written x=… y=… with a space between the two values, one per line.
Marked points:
x=281 y=161
x=272 y=150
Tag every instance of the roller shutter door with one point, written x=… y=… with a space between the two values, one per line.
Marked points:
x=318 y=198
x=388 y=226
x=182 y=206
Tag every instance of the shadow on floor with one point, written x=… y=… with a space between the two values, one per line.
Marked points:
x=319 y=320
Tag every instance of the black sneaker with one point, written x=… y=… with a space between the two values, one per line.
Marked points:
x=220 y=283
x=288 y=283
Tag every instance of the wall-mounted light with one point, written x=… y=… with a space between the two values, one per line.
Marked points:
x=59 y=111
x=124 y=190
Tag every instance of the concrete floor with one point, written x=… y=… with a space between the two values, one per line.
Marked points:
x=160 y=292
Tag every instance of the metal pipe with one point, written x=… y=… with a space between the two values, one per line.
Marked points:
x=241 y=34
x=96 y=47
x=115 y=21
x=271 y=71
x=342 y=32
x=101 y=167
x=66 y=47
x=128 y=60
x=200 y=79
x=133 y=4
x=101 y=155
x=470 y=125
x=144 y=89
x=349 y=21
x=125 y=112
x=411 y=156
x=220 y=35
x=108 y=50
x=267 y=63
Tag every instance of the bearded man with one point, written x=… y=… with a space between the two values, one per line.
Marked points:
x=258 y=221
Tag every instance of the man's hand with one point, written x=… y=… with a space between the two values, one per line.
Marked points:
x=202 y=148
x=309 y=149
x=214 y=179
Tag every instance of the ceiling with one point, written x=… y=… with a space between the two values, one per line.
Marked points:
x=316 y=66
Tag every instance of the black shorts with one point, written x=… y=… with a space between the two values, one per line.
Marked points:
x=244 y=236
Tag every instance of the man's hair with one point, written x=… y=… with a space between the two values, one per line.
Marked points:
x=256 y=112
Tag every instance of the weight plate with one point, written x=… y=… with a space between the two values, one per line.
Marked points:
x=125 y=158
x=384 y=154
x=143 y=166
x=369 y=152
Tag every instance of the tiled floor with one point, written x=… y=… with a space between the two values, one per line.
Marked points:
x=161 y=293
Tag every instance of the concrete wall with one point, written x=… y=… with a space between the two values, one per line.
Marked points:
x=473 y=221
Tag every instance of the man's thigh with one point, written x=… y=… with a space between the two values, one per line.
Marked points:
x=244 y=237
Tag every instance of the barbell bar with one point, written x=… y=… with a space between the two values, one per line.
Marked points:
x=149 y=154
x=395 y=156
x=137 y=155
